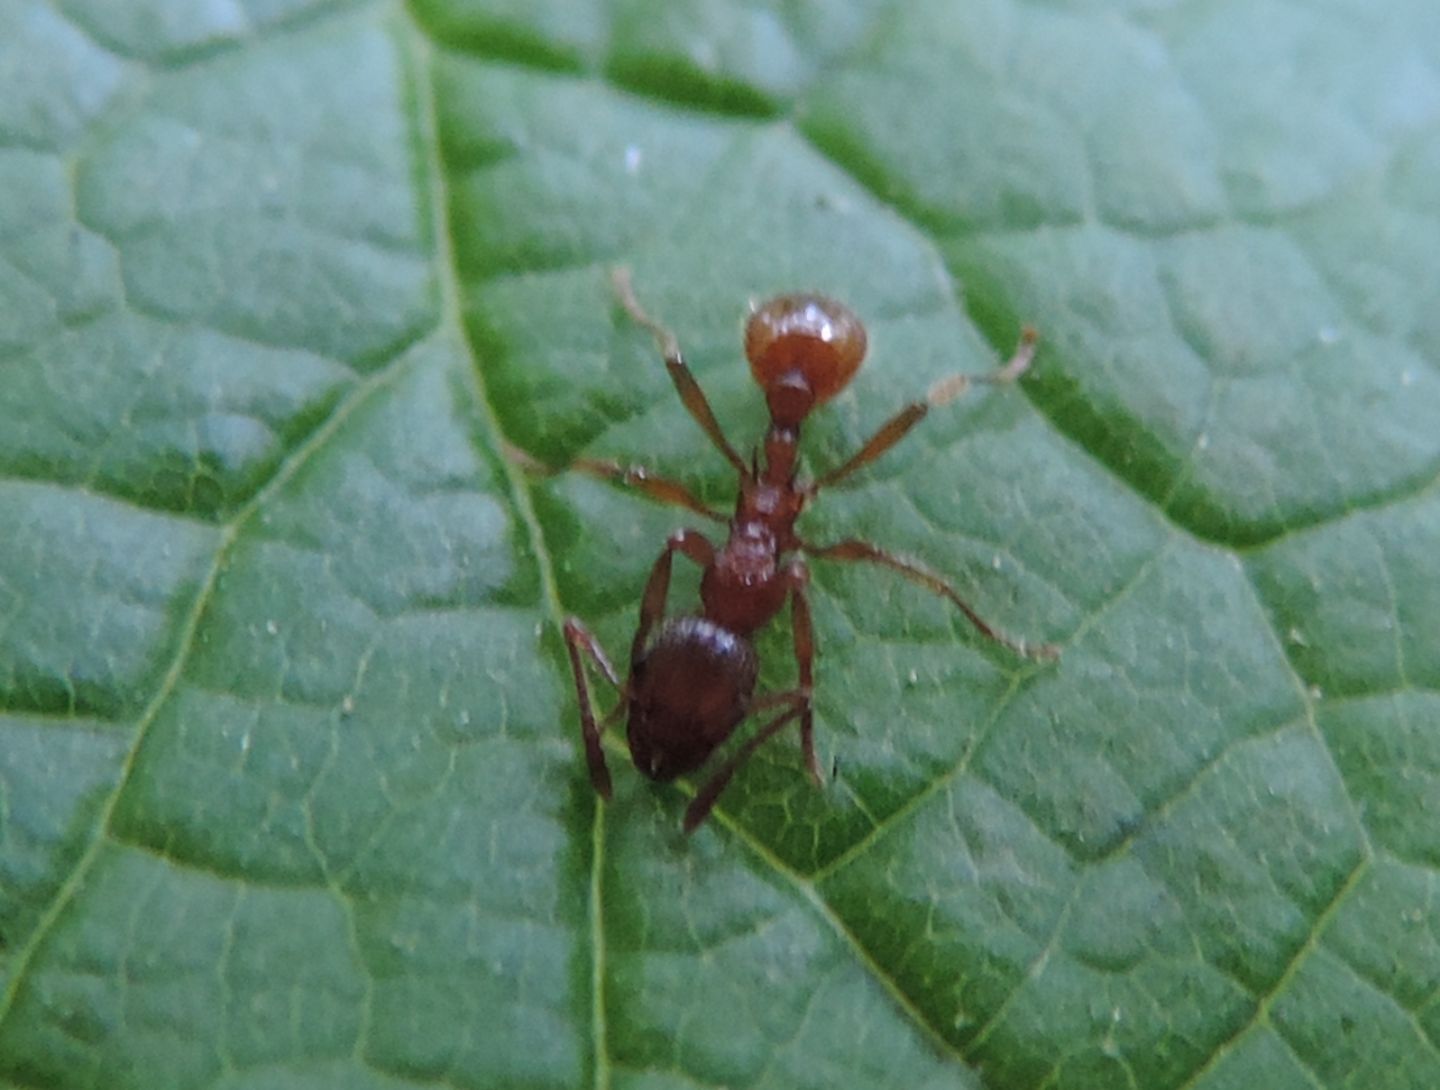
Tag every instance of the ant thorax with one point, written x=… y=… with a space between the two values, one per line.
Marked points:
x=742 y=589
x=749 y=553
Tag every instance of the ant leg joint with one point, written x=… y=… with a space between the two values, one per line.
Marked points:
x=693 y=545
x=946 y=390
x=666 y=341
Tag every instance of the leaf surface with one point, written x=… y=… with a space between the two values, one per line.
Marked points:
x=291 y=794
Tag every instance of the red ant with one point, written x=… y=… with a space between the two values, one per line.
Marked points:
x=692 y=681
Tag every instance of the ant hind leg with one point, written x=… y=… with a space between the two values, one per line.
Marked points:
x=804 y=635
x=701 y=805
x=579 y=638
x=694 y=545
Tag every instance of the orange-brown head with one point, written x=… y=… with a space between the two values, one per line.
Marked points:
x=803 y=349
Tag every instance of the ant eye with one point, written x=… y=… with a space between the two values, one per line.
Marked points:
x=801 y=345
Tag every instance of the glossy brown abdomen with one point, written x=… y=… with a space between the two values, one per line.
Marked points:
x=688 y=692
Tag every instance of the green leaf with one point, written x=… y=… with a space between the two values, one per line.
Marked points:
x=291 y=791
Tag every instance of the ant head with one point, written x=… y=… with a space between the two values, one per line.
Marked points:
x=802 y=349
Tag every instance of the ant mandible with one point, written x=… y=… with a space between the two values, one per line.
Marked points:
x=692 y=677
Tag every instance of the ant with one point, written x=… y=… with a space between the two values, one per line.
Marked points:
x=692 y=677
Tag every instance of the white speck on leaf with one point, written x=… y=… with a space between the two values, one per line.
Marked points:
x=705 y=56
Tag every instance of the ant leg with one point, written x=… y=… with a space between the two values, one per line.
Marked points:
x=656 y=488
x=942 y=393
x=910 y=569
x=685 y=384
x=641 y=479
x=578 y=638
x=652 y=605
x=799 y=578
x=701 y=805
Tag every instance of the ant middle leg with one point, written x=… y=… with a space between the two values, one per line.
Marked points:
x=918 y=573
x=689 y=390
x=579 y=638
x=941 y=393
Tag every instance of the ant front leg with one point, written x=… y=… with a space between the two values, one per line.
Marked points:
x=642 y=480
x=652 y=606
x=942 y=393
x=689 y=390
x=910 y=569
x=579 y=638
x=660 y=489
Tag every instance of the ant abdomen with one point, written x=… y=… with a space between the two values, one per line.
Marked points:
x=803 y=349
x=689 y=690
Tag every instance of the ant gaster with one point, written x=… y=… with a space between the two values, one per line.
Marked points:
x=692 y=677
